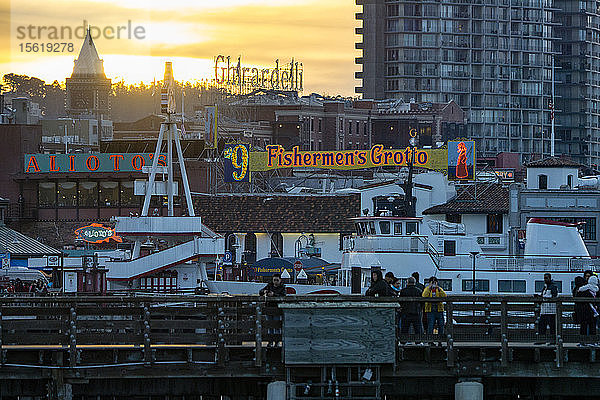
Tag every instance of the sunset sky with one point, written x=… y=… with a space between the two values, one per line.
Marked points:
x=319 y=33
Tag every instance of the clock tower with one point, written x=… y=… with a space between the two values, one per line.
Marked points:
x=88 y=88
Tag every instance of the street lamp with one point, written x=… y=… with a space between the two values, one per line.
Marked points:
x=474 y=254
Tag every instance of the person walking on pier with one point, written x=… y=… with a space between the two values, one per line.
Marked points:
x=547 y=309
x=434 y=311
x=587 y=312
x=379 y=286
x=410 y=313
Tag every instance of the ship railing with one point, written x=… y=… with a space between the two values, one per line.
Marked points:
x=398 y=244
x=536 y=263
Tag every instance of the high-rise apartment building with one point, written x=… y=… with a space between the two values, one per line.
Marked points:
x=578 y=106
x=492 y=57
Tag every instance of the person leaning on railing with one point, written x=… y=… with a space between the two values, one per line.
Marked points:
x=434 y=311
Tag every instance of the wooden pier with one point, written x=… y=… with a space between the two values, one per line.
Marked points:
x=329 y=347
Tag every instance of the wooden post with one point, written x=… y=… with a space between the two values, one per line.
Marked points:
x=73 y=337
x=504 y=332
x=450 y=334
x=559 y=340
x=258 y=336
x=147 y=346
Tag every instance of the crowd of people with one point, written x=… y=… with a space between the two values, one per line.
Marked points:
x=418 y=315
x=415 y=315
x=38 y=287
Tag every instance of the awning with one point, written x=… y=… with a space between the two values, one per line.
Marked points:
x=276 y=265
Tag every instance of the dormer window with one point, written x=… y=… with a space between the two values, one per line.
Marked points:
x=542 y=181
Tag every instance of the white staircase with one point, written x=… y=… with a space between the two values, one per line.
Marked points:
x=198 y=247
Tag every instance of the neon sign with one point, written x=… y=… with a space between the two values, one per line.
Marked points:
x=91 y=162
x=238 y=77
x=377 y=156
x=97 y=233
x=237 y=162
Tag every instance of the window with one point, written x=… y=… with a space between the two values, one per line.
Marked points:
x=512 y=286
x=412 y=227
x=88 y=194
x=449 y=247
x=128 y=199
x=371 y=227
x=543 y=181
x=494 y=223
x=109 y=194
x=67 y=194
x=250 y=248
x=47 y=194
x=455 y=218
x=397 y=228
x=445 y=284
x=384 y=227
x=587 y=230
x=570 y=181
x=539 y=285
x=481 y=285
x=276 y=245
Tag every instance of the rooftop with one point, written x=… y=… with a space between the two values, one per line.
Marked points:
x=17 y=244
x=489 y=198
x=553 y=162
x=88 y=62
x=278 y=212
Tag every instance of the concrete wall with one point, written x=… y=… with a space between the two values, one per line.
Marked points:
x=556 y=177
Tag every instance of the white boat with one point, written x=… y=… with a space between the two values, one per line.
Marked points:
x=444 y=250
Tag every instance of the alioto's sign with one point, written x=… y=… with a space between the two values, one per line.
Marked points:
x=378 y=156
x=90 y=162
x=97 y=233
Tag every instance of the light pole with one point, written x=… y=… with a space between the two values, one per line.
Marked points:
x=474 y=254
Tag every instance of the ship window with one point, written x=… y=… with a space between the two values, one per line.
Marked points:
x=371 y=227
x=449 y=247
x=481 y=285
x=397 y=228
x=542 y=181
x=412 y=227
x=512 y=286
x=384 y=227
x=570 y=181
x=47 y=194
x=539 y=286
x=358 y=228
x=494 y=223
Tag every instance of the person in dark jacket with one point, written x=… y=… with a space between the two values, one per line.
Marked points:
x=411 y=310
x=586 y=312
x=275 y=288
x=418 y=284
x=379 y=287
x=548 y=310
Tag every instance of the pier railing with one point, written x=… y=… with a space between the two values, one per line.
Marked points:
x=218 y=325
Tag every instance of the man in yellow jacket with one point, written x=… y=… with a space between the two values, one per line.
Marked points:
x=434 y=311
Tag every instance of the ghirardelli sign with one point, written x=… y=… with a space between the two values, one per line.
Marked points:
x=241 y=78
